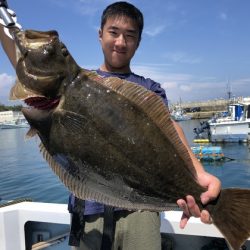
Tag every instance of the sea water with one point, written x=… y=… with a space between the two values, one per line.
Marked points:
x=24 y=173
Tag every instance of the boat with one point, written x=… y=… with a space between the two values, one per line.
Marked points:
x=234 y=127
x=229 y=126
x=179 y=115
x=12 y=119
x=18 y=123
x=27 y=225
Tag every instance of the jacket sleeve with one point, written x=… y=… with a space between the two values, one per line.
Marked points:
x=156 y=87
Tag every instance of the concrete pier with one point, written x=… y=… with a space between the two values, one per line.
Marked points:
x=206 y=109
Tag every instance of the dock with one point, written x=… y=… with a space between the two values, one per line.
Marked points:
x=204 y=109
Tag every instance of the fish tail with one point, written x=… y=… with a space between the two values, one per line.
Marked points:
x=231 y=215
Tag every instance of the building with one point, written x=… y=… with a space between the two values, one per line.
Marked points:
x=7 y=116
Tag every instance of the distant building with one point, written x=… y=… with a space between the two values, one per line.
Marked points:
x=7 y=116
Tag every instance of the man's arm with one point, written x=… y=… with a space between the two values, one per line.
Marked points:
x=212 y=183
x=8 y=46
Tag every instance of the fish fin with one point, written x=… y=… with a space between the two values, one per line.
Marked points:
x=31 y=133
x=20 y=92
x=153 y=106
x=55 y=166
x=87 y=188
x=231 y=215
x=76 y=185
x=71 y=120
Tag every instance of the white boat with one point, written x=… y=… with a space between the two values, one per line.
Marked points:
x=235 y=127
x=34 y=225
x=18 y=123
x=179 y=115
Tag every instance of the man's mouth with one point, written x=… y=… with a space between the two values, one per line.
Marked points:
x=120 y=51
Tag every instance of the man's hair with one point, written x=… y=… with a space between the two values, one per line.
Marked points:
x=123 y=9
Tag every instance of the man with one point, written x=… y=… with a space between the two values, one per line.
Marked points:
x=120 y=36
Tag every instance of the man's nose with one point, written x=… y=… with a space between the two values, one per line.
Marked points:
x=120 y=40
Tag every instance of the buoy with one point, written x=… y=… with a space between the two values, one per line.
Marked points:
x=201 y=140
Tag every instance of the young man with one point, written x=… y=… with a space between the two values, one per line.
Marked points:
x=120 y=36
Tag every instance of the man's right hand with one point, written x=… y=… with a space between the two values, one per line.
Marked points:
x=6 y=39
x=16 y=25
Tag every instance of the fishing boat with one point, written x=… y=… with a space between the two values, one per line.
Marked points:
x=235 y=127
x=27 y=225
x=179 y=115
x=230 y=126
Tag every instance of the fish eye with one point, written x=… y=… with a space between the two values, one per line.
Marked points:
x=48 y=49
x=65 y=51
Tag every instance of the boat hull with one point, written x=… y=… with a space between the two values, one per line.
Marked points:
x=233 y=131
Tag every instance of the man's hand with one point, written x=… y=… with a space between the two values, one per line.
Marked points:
x=189 y=206
x=16 y=25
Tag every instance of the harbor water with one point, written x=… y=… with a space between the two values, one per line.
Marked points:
x=24 y=173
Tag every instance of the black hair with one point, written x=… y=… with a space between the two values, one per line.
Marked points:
x=123 y=9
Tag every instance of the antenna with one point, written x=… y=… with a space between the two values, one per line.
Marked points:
x=229 y=90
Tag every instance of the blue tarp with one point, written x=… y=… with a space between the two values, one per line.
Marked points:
x=209 y=153
x=207 y=150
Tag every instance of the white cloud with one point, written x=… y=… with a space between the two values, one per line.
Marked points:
x=154 y=30
x=242 y=82
x=190 y=87
x=6 y=82
x=185 y=88
x=182 y=57
x=169 y=85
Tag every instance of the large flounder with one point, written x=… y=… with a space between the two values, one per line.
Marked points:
x=110 y=140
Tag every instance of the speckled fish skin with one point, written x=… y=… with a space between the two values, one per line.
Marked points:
x=110 y=140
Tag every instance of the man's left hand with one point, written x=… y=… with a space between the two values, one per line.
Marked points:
x=189 y=206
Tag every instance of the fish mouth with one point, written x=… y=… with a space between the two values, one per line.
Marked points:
x=38 y=113
x=32 y=39
x=42 y=103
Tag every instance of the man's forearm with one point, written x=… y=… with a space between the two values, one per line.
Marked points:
x=197 y=164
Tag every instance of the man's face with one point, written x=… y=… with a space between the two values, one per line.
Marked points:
x=119 y=39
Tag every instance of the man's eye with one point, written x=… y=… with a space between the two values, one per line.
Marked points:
x=112 y=32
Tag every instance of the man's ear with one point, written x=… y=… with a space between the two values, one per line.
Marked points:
x=100 y=34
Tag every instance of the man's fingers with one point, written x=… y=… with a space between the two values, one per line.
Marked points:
x=192 y=206
x=183 y=206
x=184 y=220
x=205 y=217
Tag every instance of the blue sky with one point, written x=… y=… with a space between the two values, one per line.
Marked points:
x=194 y=48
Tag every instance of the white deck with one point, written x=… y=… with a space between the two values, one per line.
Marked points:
x=14 y=217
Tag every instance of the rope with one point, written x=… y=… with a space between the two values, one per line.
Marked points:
x=16 y=201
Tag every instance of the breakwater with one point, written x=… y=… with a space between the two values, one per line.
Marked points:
x=204 y=109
